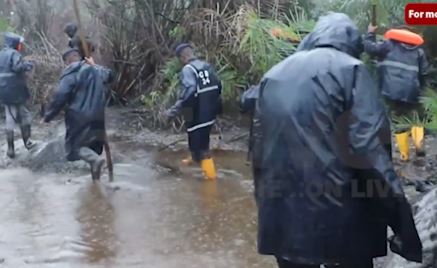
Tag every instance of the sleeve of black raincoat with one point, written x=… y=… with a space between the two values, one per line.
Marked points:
x=106 y=74
x=368 y=117
x=61 y=97
x=19 y=65
x=374 y=48
x=188 y=89
x=424 y=68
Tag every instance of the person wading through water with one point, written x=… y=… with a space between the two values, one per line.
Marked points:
x=402 y=70
x=200 y=103
x=14 y=92
x=82 y=88
x=320 y=161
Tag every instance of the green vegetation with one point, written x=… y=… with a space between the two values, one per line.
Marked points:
x=4 y=25
x=241 y=38
x=244 y=56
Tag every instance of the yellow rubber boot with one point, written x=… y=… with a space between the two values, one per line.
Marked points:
x=188 y=161
x=418 y=135
x=403 y=144
x=208 y=168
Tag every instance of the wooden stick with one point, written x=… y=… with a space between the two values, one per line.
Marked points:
x=374 y=14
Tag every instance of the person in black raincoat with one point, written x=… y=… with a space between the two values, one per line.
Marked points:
x=319 y=160
x=72 y=31
x=402 y=71
x=82 y=89
x=14 y=92
x=200 y=104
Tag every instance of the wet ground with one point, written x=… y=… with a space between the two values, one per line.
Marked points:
x=156 y=214
x=149 y=217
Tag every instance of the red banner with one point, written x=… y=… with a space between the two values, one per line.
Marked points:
x=421 y=14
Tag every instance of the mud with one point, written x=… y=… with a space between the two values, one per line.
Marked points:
x=157 y=213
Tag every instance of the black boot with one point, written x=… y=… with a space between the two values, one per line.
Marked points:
x=95 y=161
x=25 y=133
x=10 y=138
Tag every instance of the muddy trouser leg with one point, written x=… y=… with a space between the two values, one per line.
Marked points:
x=11 y=116
x=93 y=159
x=25 y=121
x=286 y=264
x=11 y=113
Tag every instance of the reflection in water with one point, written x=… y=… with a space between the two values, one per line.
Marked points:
x=150 y=217
x=96 y=216
x=209 y=195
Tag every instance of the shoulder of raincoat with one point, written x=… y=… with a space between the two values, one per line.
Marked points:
x=395 y=58
x=82 y=90
x=13 y=87
x=317 y=148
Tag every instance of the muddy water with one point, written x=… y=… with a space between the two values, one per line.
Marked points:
x=156 y=214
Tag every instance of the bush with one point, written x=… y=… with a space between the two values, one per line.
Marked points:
x=242 y=46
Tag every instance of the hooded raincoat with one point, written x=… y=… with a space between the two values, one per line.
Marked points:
x=13 y=87
x=83 y=90
x=319 y=159
x=402 y=68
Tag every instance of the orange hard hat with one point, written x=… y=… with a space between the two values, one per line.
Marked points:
x=404 y=36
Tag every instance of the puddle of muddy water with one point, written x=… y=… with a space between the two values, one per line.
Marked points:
x=151 y=216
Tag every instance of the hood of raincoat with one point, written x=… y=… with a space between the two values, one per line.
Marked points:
x=335 y=30
x=12 y=40
x=70 y=29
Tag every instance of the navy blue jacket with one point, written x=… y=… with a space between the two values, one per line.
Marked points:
x=402 y=68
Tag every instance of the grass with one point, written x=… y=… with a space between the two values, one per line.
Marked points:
x=429 y=101
x=4 y=25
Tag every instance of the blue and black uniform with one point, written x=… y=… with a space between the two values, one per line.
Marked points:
x=200 y=103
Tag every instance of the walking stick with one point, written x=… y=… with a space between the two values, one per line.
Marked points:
x=87 y=54
x=374 y=14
